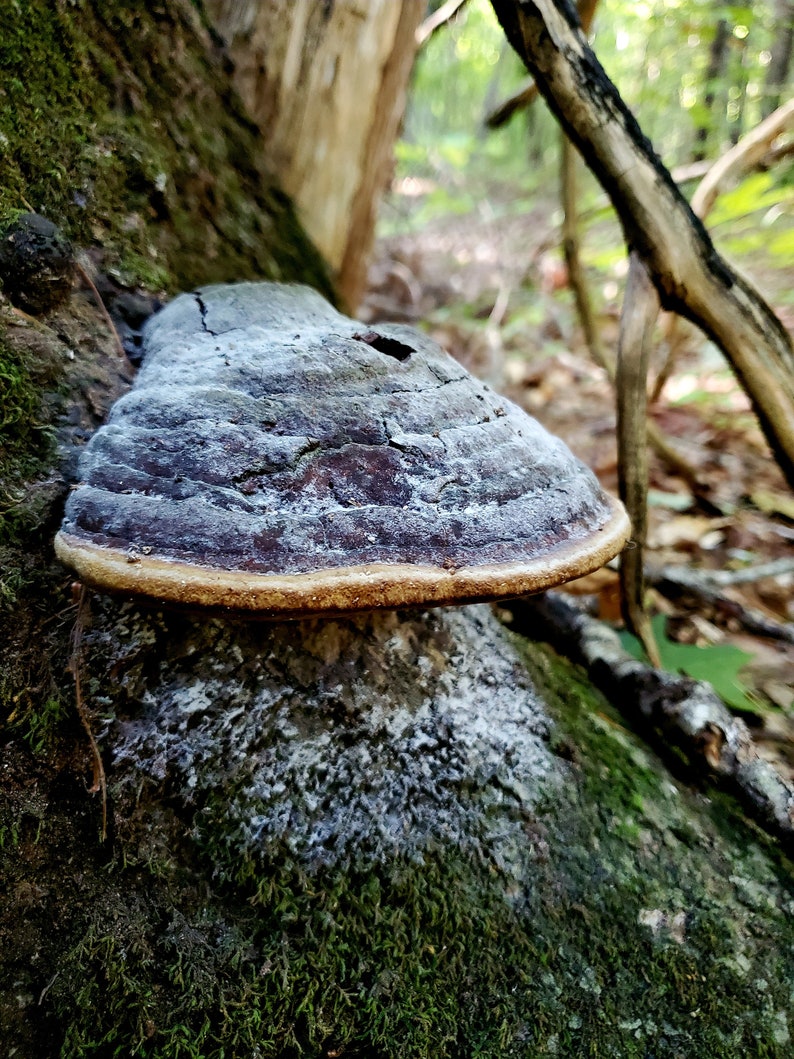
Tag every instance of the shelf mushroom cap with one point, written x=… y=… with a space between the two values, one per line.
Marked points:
x=277 y=457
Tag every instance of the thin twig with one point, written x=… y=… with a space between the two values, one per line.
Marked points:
x=748 y=574
x=675 y=583
x=569 y=161
x=103 y=309
x=504 y=112
x=570 y=241
x=76 y=669
x=640 y=308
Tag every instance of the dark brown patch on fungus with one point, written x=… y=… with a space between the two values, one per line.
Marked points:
x=269 y=460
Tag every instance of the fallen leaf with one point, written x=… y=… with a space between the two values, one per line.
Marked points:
x=774 y=503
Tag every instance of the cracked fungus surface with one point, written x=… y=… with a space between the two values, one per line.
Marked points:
x=382 y=734
x=267 y=433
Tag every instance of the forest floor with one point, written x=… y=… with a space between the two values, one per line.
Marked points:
x=491 y=287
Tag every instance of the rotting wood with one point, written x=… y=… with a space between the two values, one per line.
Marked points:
x=327 y=85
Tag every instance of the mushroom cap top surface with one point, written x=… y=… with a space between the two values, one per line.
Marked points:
x=275 y=456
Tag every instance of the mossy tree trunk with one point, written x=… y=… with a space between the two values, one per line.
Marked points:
x=563 y=894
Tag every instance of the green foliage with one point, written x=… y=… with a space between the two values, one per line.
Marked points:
x=658 y=53
x=757 y=216
x=717 y=664
x=460 y=74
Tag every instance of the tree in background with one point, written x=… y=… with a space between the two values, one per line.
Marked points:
x=600 y=920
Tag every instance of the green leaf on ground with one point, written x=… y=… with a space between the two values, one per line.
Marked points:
x=717 y=664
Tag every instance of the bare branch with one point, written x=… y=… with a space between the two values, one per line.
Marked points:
x=746 y=154
x=438 y=19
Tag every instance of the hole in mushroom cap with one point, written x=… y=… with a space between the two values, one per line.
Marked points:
x=390 y=346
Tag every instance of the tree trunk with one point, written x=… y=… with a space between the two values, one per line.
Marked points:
x=718 y=54
x=129 y=137
x=397 y=835
x=327 y=85
x=780 y=56
x=738 y=94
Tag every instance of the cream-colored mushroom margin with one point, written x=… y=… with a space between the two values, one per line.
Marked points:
x=341 y=589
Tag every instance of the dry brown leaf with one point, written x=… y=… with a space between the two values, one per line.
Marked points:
x=774 y=503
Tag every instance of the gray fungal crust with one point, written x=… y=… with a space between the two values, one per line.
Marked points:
x=356 y=739
x=268 y=438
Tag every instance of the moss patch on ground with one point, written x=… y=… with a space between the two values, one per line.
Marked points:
x=117 y=122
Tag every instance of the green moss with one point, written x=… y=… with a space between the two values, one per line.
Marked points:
x=25 y=443
x=640 y=931
x=39 y=727
x=117 y=123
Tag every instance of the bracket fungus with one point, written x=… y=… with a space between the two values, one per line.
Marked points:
x=277 y=458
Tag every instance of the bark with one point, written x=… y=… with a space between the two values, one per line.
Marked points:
x=397 y=835
x=737 y=117
x=780 y=62
x=326 y=84
x=690 y=276
x=718 y=53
